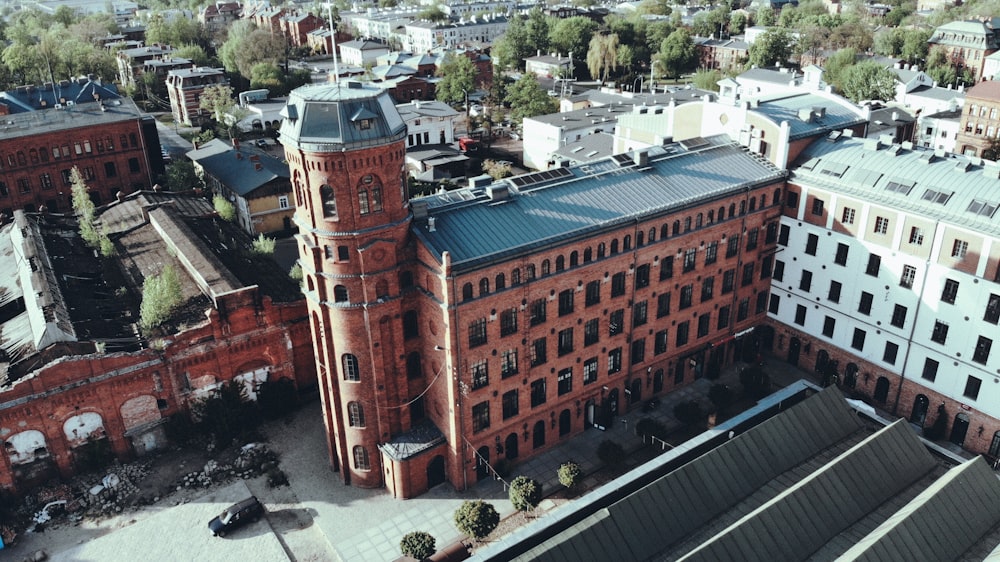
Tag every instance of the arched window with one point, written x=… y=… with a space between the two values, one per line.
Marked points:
x=676 y=228
x=776 y=198
x=639 y=241
x=753 y=204
x=309 y=283
x=560 y=263
x=721 y=215
x=484 y=287
x=352 y=371
x=652 y=235
x=711 y=217
x=627 y=243
x=588 y=255
x=732 y=210
x=329 y=202
x=664 y=231
x=851 y=375
x=340 y=294
x=410 y=325
x=687 y=224
x=697 y=220
x=614 y=247
x=529 y=272
x=355 y=414
x=546 y=268
x=600 y=250
x=743 y=208
x=515 y=277
x=361 y=458
x=467 y=291
x=413 y=368
x=500 y=282
x=574 y=258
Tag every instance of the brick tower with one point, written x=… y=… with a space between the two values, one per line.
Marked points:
x=345 y=146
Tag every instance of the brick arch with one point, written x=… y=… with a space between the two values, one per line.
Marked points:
x=139 y=410
x=252 y=374
x=25 y=446
x=80 y=427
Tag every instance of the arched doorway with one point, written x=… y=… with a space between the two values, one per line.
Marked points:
x=765 y=337
x=435 y=472
x=851 y=376
x=658 y=381
x=565 y=423
x=510 y=446
x=679 y=373
x=822 y=360
x=881 y=390
x=959 y=429
x=919 y=413
x=538 y=435
x=591 y=412
x=613 y=404
x=995 y=445
x=482 y=463
x=794 y=346
x=635 y=393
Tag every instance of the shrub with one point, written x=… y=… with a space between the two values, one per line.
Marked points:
x=476 y=518
x=296 y=272
x=570 y=474
x=720 y=395
x=610 y=453
x=755 y=381
x=227 y=415
x=277 y=398
x=226 y=210
x=263 y=246
x=418 y=544
x=525 y=493
x=688 y=412
x=276 y=477
x=161 y=294
x=651 y=427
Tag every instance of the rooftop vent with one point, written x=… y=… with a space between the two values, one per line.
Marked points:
x=872 y=145
x=641 y=158
x=885 y=139
x=991 y=171
x=963 y=165
x=431 y=224
x=498 y=192
x=907 y=145
x=419 y=209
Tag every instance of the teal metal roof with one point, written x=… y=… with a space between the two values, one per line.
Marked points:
x=343 y=114
x=873 y=175
x=839 y=114
x=585 y=199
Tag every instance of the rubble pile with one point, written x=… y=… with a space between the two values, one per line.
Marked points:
x=253 y=460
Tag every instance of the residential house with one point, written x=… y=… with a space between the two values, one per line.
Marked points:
x=968 y=43
x=184 y=88
x=256 y=183
x=721 y=54
x=918 y=92
x=939 y=131
x=548 y=66
x=297 y=26
x=478 y=32
x=131 y=61
x=218 y=16
x=362 y=52
x=980 y=126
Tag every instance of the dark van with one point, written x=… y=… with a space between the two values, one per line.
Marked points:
x=236 y=515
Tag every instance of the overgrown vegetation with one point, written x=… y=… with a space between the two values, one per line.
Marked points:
x=83 y=207
x=650 y=427
x=277 y=398
x=263 y=246
x=227 y=415
x=570 y=474
x=226 y=210
x=418 y=544
x=610 y=453
x=161 y=295
x=476 y=518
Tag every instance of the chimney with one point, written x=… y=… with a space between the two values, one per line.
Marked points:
x=431 y=227
x=895 y=116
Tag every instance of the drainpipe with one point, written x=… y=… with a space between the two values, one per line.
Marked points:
x=631 y=297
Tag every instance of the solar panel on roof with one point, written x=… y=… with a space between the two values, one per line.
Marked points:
x=539 y=177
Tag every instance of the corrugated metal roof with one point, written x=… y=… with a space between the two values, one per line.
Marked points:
x=321 y=114
x=916 y=166
x=595 y=196
x=241 y=174
x=840 y=114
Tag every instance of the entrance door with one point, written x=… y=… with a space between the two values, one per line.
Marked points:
x=565 y=423
x=591 y=409
x=919 y=413
x=881 y=390
x=435 y=472
x=483 y=463
x=658 y=381
x=510 y=446
x=995 y=445
x=538 y=435
x=794 y=346
x=959 y=429
x=612 y=405
x=679 y=372
x=635 y=393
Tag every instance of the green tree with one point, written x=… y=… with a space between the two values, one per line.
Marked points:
x=677 y=54
x=737 y=23
x=418 y=544
x=571 y=36
x=837 y=65
x=496 y=169
x=225 y=209
x=772 y=47
x=513 y=47
x=84 y=209
x=527 y=99
x=195 y=53
x=869 y=81
x=525 y=493
x=433 y=13
x=267 y=75
x=174 y=31
x=765 y=16
x=476 y=518
x=602 y=56
x=219 y=101
x=915 y=46
x=458 y=76
x=161 y=295
x=570 y=474
x=538 y=29
x=262 y=245
x=228 y=414
x=707 y=79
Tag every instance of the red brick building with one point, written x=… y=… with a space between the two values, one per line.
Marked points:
x=86 y=379
x=115 y=147
x=494 y=323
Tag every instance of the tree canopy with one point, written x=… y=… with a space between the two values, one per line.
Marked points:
x=677 y=54
x=458 y=76
x=869 y=81
x=772 y=47
x=527 y=99
x=571 y=36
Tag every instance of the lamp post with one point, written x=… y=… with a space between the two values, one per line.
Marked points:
x=652 y=68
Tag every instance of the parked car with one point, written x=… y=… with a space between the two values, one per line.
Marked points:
x=262 y=143
x=235 y=516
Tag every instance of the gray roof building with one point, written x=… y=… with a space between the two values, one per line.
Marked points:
x=349 y=114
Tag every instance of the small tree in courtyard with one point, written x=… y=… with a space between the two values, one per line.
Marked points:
x=525 y=493
x=418 y=544
x=570 y=474
x=226 y=210
x=476 y=518
x=610 y=453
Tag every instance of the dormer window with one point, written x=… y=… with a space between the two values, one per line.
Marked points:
x=365 y=124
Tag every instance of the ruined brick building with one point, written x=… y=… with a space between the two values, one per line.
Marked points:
x=77 y=375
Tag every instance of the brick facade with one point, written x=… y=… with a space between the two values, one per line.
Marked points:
x=134 y=393
x=116 y=151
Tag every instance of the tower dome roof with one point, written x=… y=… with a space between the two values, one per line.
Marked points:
x=348 y=115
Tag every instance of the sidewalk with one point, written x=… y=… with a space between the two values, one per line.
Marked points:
x=368 y=524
